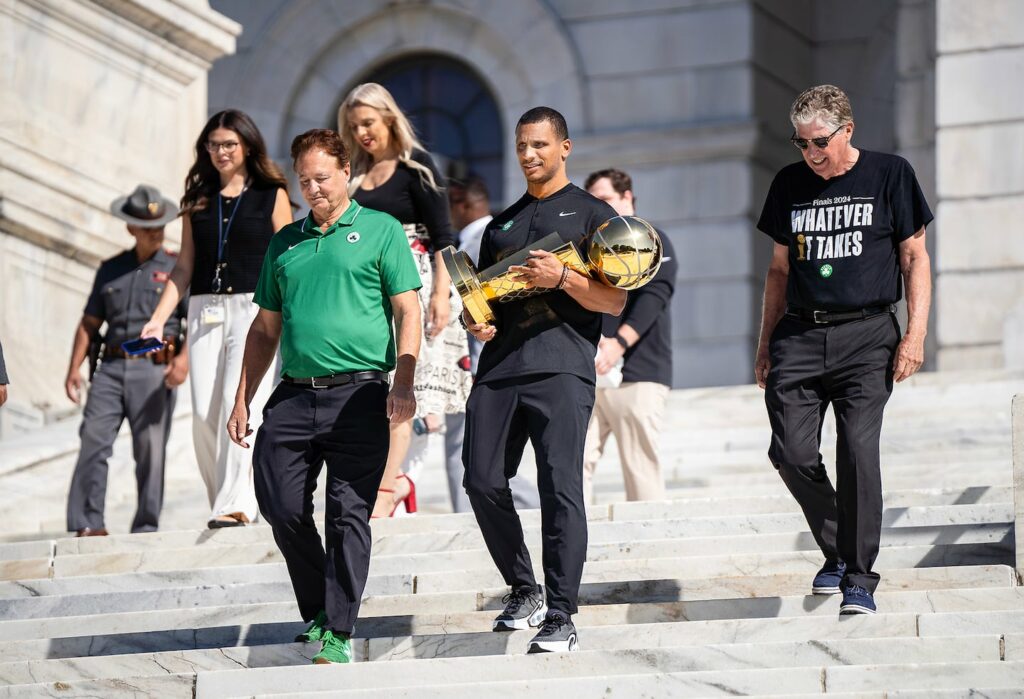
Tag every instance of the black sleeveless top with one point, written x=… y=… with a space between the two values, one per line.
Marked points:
x=408 y=199
x=246 y=242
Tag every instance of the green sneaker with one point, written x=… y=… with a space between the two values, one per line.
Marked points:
x=335 y=649
x=315 y=631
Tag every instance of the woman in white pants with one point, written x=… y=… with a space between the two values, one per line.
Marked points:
x=235 y=199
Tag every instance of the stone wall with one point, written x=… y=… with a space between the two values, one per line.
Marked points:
x=98 y=96
x=980 y=180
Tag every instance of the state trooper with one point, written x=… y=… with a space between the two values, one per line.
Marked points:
x=141 y=389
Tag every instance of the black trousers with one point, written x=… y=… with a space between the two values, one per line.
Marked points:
x=552 y=411
x=346 y=427
x=122 y=389
x=847 y=365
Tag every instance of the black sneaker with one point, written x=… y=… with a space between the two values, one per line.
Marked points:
x=827 y=580
x=523 y=608
x=557 y=635
x=856 y=600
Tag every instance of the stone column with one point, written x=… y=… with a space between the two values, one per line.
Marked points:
x=980 y=119
x=98 y=97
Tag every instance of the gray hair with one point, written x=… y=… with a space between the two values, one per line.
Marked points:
x=825 y=102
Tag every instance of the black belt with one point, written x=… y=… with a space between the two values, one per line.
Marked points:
x=825 y=317
x=338 y=379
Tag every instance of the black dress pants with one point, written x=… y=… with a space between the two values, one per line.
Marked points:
x=552 y=411
x=847 y=365
x=346 y=427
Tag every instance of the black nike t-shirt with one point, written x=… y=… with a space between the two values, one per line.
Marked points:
x=549 y=333
x=843 y=233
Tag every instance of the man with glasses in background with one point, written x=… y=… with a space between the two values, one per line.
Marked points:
x=849 y=232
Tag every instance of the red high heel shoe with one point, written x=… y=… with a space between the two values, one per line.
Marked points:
x=409 y=500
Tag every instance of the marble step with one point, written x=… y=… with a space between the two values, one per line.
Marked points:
x=988 y=679
x=993 y=503
x=153 y=557
x=136 y=665
x=766 y=504
x=982 y=543
x=385 y=617
x=690 y=658
x=67 y=600
x=718 y=631
x=467 y=673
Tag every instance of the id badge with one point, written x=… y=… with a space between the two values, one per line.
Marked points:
x=213 y=315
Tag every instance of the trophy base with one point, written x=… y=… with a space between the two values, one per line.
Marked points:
x=464 y=277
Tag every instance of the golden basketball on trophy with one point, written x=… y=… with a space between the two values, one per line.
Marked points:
x=624 y=251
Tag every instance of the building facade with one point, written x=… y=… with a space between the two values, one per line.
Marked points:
x=690 y=96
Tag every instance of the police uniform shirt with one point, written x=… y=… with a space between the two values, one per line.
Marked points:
x=648 y=311
x=549 y=333
x=125 y=294
x=843 y=233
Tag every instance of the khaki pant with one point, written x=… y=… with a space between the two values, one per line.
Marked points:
x=214 y=367
x=633 y=413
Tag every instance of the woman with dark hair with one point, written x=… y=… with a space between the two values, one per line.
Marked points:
x=235 y=199
x=393 y=173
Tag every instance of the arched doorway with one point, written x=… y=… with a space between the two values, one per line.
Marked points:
x=453 y=112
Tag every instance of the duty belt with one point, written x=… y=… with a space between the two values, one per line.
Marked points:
x=337 y=379
x=825 y=317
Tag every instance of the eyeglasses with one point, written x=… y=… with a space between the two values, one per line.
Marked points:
x=820 y=142
x=228 y=146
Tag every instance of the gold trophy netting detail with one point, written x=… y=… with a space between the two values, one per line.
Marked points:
x=508 y=290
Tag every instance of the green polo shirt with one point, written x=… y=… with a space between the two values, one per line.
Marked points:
x=332 y=290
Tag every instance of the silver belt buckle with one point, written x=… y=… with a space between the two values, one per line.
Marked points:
x=819 y=316
x=313 y=383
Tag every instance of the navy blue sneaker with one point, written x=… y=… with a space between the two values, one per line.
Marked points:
x=856 y=600
x=827 y=580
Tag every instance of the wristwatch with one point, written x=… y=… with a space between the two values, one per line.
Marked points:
x=622 y=341
x=462 y=322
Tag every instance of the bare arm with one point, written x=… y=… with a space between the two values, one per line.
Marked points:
x=915 y=265
x=177 y=285
x=260 y=346
x=773 y=309
x=440 y=304
x=408 y=324
x=86 y=330
x=282 y=214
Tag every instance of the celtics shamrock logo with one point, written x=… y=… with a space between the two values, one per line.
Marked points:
x=825 y=271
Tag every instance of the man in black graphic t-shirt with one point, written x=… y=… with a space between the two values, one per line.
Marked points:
x=536 y=381
x=849 y=232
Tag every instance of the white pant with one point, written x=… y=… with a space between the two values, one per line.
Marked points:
x=214 y=366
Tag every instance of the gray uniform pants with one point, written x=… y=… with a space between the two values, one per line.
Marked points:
x=132 y=389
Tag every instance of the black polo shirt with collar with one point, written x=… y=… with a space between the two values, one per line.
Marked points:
x=548 y=333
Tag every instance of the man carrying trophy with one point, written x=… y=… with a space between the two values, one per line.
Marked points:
x=538 y=310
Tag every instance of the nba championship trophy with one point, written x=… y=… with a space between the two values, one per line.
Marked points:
x=625 y=252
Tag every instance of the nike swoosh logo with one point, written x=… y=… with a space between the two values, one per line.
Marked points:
x=562 y=213
x=292 y=246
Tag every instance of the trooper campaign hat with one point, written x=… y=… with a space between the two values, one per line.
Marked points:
x=145 y=207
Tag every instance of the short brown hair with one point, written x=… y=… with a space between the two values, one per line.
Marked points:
x=325 y=140
x=621 y=181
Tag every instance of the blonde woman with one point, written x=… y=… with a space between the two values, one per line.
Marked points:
x=393 y=173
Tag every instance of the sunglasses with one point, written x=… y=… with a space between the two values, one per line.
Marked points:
x=820 y=142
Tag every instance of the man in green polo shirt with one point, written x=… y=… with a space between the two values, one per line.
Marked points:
x=330 y=286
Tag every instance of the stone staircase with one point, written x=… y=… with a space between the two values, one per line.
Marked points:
x=701 y=595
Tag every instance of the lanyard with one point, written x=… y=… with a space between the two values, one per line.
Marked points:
x=222 y=234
